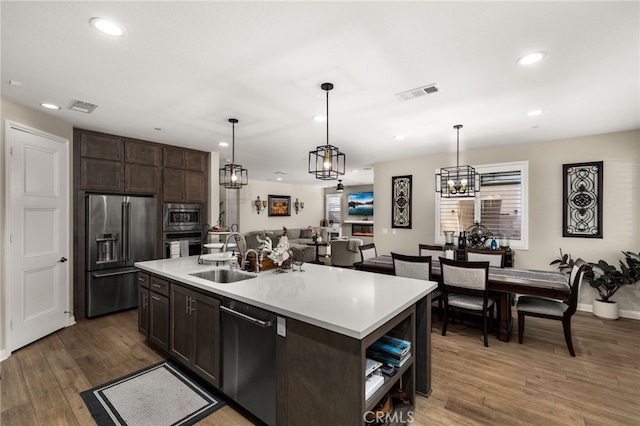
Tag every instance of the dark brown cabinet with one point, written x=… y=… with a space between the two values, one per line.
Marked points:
x=179 y=158
x=101 y=175
x=139 y=178
x=104 y=147
x=183 y=186
x=195 y=332
x=142 y=153
x=153 y=309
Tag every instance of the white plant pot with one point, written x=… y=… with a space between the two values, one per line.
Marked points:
x=605 y=310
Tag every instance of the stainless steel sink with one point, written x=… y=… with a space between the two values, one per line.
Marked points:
x=224 y=276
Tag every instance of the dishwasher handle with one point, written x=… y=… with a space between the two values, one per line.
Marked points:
x=255 y=321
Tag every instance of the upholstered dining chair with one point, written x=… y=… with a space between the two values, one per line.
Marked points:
x=430 y=250
x=367 y=251
x=465 y=287
x=495 y=258
x=554 y=309
x=417 y=267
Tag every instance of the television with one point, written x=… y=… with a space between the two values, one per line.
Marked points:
x=360 y=203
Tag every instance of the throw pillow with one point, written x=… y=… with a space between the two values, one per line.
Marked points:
x=305 y=233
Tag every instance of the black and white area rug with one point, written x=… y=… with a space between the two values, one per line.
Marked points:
x=158 y=395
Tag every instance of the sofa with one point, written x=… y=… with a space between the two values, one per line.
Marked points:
x=298 y=239
x=345 y=251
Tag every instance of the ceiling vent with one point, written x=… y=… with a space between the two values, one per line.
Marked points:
x=415 y=93
x=80 y=106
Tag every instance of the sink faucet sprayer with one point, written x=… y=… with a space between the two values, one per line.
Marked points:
x=246 y=258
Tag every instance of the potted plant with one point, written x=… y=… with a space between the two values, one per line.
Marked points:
x=606 y=279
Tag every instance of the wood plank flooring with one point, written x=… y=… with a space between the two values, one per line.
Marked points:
x=536 y=383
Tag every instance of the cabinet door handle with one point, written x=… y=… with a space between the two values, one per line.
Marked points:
x=191 y=307
x=145 y=300
x=141 y=279
x=155 y=298
x=157 y=285
x=186 y=308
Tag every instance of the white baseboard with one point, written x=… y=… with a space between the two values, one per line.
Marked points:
x=3 y=355
x=623 y=312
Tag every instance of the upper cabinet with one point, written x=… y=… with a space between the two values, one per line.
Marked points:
x=186 y=159
x=184 y=179
x=114 y=164
x=101 y=162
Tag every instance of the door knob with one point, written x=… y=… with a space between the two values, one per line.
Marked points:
x=63 y=259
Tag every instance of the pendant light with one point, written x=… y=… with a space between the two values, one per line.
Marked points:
x=458 y=181
x=233 y=176
x=326 y=162
x=340 y=186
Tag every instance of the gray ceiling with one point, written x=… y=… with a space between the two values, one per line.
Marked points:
x=186 y=67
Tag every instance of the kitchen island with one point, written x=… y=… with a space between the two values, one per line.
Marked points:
x=326 y=319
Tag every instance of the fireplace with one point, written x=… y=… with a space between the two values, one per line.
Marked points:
x=361 y=230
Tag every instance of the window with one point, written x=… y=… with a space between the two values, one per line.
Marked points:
x=334 y=213
x=501 y=205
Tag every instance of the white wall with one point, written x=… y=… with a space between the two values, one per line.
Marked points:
x=47 y=123
x=621 y=203
x=311 y=215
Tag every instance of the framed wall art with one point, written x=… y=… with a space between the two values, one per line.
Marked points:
x=401 y=202
x=279 y=205
x=582 y=200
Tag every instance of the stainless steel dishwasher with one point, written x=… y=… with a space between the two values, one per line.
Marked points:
x=249 y=358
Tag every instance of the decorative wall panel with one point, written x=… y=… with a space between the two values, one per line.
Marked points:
x=401 y=202
x=582 y=200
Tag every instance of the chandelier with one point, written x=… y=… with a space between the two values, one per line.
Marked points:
x=233 y=176
x=458 y=181
x=326 y=162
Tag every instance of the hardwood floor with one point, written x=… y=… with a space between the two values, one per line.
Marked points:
x=536 y=383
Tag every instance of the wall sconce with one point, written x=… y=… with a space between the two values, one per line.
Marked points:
x=298 y=205
x=259 y=204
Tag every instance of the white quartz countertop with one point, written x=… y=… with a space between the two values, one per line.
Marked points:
x=349 y=302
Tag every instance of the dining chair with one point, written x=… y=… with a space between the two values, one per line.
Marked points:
x=465 y=288
x=542 y=307
x=367 y=251
x=495 y=258
x=430 y=250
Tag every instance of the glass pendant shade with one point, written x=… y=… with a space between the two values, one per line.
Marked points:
x=233 y=176
x=327 y=162
x=458 y=181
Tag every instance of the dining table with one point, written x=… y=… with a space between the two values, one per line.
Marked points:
x=505 y=281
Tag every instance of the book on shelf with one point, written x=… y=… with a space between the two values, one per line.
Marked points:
x=387 y=359
x=395 y=341
x=390 y=347
x=373 y=383
x=371 y=366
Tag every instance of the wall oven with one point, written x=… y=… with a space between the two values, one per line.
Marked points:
x=183 y=222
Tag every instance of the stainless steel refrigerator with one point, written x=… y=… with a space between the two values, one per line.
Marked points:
x=121 y=230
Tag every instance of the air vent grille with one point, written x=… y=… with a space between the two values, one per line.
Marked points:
x=81 y=106
x=416 y=93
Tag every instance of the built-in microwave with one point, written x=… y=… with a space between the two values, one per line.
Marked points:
x=182 y=217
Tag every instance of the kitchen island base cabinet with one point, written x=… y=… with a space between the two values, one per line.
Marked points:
x=195 y=332
x=153 y=310
x=325 y=374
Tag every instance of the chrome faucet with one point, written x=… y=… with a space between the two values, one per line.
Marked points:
x=240 y=247
x=246 y=258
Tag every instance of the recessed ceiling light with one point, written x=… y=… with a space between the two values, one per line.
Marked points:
x=15 y=83
x=534 y=112
x=319 y=118
x=278 y=178
x=399 y=137
x=49 y=106
x=531 y=58
x=223 y=144
x=354 y=171
x=107 y=27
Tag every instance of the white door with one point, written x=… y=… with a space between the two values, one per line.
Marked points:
x=37 y=204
